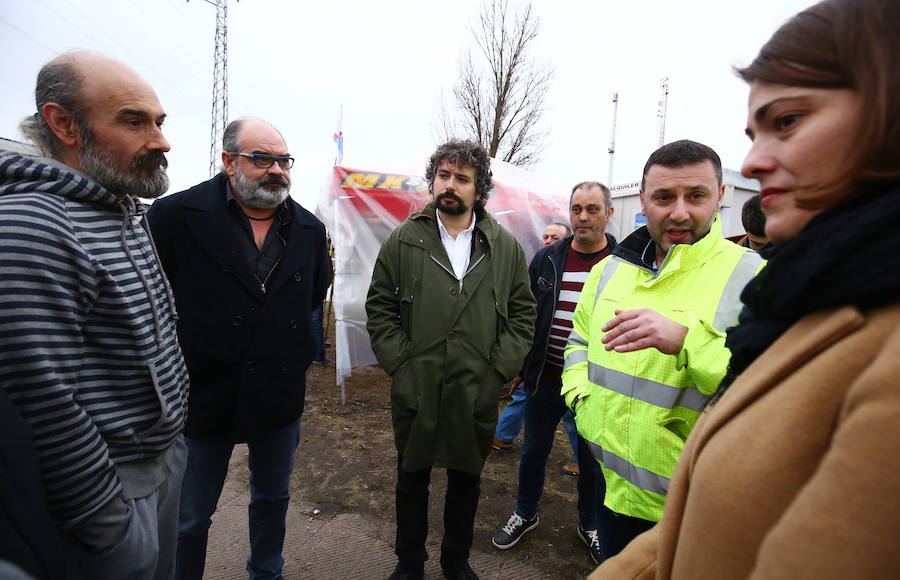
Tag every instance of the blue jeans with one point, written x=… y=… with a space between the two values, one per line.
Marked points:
x=318 y=333
x=271 y=462
x=510 y=421
x=542 y=415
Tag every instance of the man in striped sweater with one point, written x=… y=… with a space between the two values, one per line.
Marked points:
x=88 y=351
x=557 y=273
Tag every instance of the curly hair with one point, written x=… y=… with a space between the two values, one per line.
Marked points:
x=466 y=153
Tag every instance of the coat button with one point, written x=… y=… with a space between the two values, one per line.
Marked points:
x=237 y=320
x=251 y=366
x=454 y=291
x=297 y=276
x=284 y=367
x=293 y=324
x=226 y=269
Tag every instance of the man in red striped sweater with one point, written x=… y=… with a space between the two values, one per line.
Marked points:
x=557 y=273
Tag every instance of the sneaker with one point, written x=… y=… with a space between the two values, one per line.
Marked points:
x=592 y=541
x=501 y=445
x=513 y=530
x=569 y=469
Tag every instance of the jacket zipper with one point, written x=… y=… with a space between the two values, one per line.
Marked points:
x=262 y=283
x=471 y=267
x=556 y=284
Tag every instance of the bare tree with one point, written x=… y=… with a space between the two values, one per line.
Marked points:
x=498 y=99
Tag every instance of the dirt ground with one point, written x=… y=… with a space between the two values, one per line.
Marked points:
x=346 y=464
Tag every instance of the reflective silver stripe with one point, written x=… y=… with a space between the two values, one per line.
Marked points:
x=575 y=338
x=607 y=274
x=658 y=394
x=575 y=357
x=730 y=301
x=636 y=476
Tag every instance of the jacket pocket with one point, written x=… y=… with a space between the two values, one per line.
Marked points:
x=407 y=301
x=674 y=433
x=165 y=377
x=501 y=307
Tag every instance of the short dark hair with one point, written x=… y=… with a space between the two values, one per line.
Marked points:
x=467 y=153
x=753 y=218
x=607 y=196
x=60 y=82
x=566 y=227
x=851 y=44
x=681 y=153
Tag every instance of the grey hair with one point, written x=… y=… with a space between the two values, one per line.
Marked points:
x=59 y=82
x=587 y=185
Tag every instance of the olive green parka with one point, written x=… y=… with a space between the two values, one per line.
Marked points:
x=448 y=346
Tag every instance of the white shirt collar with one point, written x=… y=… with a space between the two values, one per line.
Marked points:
x=444 y=231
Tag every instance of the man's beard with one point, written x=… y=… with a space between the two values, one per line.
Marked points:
x=107 y=170
x=256 y=194
x=459 y=208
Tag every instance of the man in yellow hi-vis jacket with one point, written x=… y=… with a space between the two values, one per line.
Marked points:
x=648 y=343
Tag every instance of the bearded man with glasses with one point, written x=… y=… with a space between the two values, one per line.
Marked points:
x=247 y=265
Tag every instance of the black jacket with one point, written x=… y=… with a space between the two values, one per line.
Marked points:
x=247 y=350
x=546 y=272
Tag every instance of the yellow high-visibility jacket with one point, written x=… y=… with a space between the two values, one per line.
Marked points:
x=636 y=409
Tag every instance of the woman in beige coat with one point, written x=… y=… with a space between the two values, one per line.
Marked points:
x=794 y=470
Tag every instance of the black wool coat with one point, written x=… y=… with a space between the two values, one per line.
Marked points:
x=247 y=350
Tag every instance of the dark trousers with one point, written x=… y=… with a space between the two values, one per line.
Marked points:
x=460 y=504
x=543 y=412
x=617 y=530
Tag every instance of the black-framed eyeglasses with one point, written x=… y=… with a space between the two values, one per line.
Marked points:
x=265 y=161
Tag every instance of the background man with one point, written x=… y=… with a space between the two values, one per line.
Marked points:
x=450 y=317
x=557 y=275
x=90 y=357
x=754 y=221
x=247 y=265
x=648 y=344
x=554 y=233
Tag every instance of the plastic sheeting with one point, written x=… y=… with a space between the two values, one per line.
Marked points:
x=360 y=207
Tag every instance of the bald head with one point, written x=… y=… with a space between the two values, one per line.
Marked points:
x=99 y=116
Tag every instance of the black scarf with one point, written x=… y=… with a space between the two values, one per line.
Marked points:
x=845 y=255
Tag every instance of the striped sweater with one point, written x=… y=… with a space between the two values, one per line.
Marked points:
x=88 y=351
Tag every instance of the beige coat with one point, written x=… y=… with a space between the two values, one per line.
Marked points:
x=795 y=472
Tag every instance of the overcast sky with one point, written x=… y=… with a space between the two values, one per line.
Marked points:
x=388 y=62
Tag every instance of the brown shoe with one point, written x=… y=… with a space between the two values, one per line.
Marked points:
x=570 y=469
x=501 y=445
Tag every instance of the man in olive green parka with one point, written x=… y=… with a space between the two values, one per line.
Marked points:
x=451 y=317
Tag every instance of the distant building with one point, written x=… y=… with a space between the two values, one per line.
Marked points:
x=738 y=189
x=18 y=147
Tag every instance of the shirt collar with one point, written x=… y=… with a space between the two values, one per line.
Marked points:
x=445 y=233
